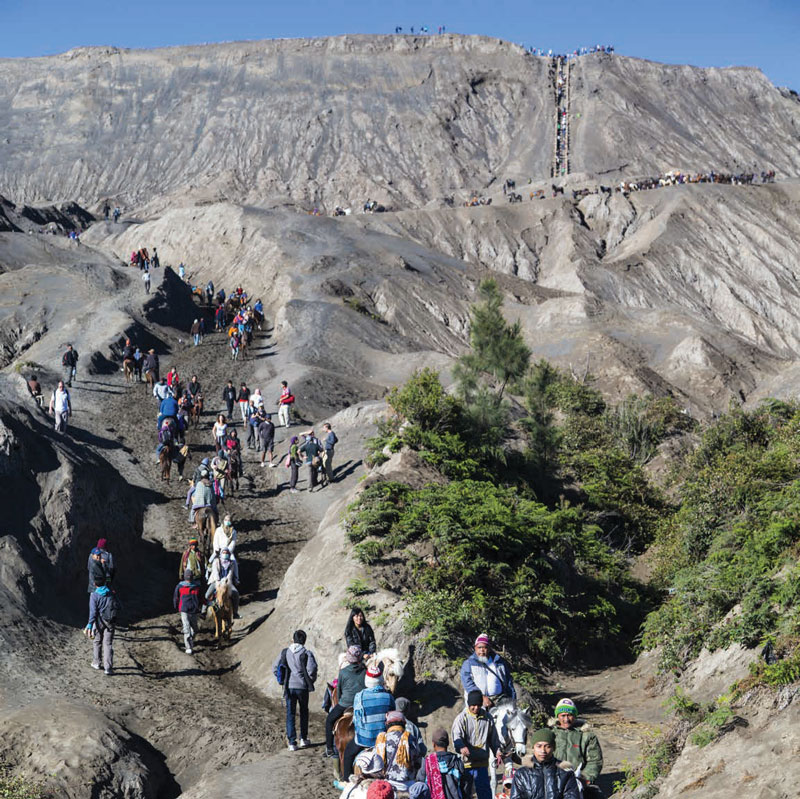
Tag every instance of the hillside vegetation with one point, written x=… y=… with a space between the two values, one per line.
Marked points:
x=544 y=499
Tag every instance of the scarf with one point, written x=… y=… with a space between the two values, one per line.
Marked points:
x=402 y=756
x=434 y=776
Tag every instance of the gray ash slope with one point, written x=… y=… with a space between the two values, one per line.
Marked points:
x=403 y=119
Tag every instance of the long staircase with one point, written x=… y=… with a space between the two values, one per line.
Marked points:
x=561 y=70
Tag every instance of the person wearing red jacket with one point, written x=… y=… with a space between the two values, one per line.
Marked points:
x=186 y=600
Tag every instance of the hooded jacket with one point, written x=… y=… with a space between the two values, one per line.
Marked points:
x=579 y=747
x=294 y=657
x=186 y=598
x=454 y=778
x=544 y=781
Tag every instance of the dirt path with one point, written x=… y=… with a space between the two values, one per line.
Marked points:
x=193 y=709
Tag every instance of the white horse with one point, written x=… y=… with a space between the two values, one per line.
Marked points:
x=512 y=724
x=391 y=666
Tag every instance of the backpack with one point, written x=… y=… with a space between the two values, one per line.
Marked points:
x=283 y=670
x=108 y=610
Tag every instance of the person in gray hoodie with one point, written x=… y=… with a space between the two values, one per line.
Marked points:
x=296 y=670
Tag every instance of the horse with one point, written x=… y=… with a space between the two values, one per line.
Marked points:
x=127 y=368
x=165 y=460
x=223 y=609
x=390 y=665
x=150 y=379
x=234 y=471
x=197 y=409
x=204 y=519
x=512 y=724
x=343 y=732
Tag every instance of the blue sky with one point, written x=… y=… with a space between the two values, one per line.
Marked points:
x=763 y=33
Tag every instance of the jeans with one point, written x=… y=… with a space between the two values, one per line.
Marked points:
x=104 y=641
x=327 y=460
x=68 y=376
x=294 y=472
x=189 y=624
x=295 y=697
x=196 y=339
x=480 y=779
x=337 y=711
x=61 y=421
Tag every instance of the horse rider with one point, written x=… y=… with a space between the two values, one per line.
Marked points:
x=204 y=497
x=370 y=707
x=193 y=387
x=161 y=390
x=127 y=354
x=224 y=537
x=193 y=560
x=150 y=364
x=544 y=779
x=168 y=409
x=399 y=752
x=577 y=743
x=350 y=681
x=36 y=390
x=138 y=360
x=486 y=671
x=222 y=566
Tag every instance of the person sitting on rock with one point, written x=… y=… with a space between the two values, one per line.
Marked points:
x=220 y=568
x=357 y=632
x=485 y=671
x=544 y=779
x=576 y=743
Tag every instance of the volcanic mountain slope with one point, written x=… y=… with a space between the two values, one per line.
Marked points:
x=403 y=119
x=690 y=290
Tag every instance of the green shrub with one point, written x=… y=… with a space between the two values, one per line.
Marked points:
x=19 y=787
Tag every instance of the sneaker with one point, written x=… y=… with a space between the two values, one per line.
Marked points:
x=189 y=650
x=96 y=666
x=263 y=465
x=293 y=491
x=292 y=748
x=304 y=742
x=108 y=672
x=272 y=466
x=340 y=786
x=329 y=752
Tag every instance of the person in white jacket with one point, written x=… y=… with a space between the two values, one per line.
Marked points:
x=224 y=538
x=220 y=569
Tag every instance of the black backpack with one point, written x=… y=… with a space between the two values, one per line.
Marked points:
x=109 y=607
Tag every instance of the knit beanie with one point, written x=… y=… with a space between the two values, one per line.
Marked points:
x=395 y=717
x=353 y=654
x=566 y=706
x=373 y=678
x=380 y=789
x=482 y=639
x=544 y=736
x=101 y=543
x=474 y=698
x=187 y=574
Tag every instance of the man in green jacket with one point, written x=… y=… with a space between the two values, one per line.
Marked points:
x=576 y=742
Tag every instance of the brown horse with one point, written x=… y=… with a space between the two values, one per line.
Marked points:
x=165 y=460
x=343 y=732
x=150 y=379
x=127 y=367
x=204 y=520
x=197 y=409
x=223 y=610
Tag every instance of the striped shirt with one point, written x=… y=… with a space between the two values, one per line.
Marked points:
x=369 y=714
